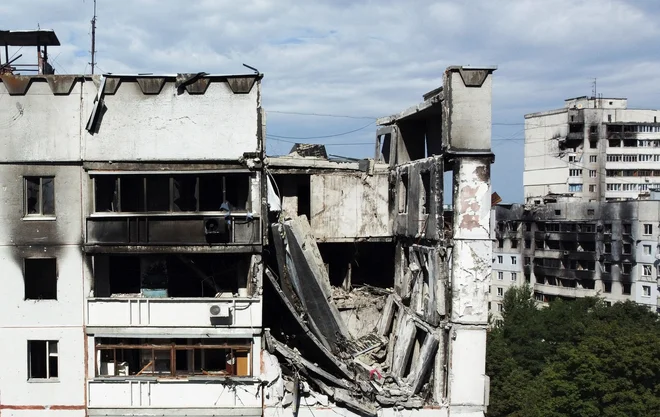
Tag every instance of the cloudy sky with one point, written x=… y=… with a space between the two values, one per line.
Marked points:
x=367 y=59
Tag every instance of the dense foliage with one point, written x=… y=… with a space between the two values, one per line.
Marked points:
x=576 y=358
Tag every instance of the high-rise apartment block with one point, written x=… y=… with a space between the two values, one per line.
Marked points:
x=595 y=149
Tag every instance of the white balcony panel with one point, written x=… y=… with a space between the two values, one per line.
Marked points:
x=171 y=312
x=174 y=393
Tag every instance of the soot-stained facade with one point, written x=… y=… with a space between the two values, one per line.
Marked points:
x=141 y=218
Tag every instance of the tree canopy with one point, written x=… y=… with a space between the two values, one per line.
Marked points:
x=578 y=358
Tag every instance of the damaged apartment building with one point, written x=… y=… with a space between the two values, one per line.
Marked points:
x=156 y=262
x=568 y=249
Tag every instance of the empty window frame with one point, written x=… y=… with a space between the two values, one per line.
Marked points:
x=194 y=357
x=607 y=286
x=625 y=289
x=647 y=249
x=627 y=249
x=42 y=359
x=647 y=270
x=40 y=278
x=646 y=290
x=176 y=193
x=39 y=196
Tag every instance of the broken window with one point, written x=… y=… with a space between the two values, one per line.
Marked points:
x=40 y=278
x=607 y=286
x=607 y=267
x=647 y=249
x=403 y=194
x=514 y=243
x=42 y=359
x=132 y=197
x=185 y=193
x=528 y=243
x=625 y=288
x=173 y=357
x=106 y=196
x=158 y=193
x=626 y=268
x=500 y=243
x=528 y=260
x=426 y=185
x=178 y=193
x=170 y=275
x=627 y=228
x=39 y=195
x=647 y=270
x=627 y=248
x=646 y=290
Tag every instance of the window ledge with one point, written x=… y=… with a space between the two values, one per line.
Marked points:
x=39 y=218
x=43 y=380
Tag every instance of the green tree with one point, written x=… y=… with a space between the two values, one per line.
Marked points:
x=573 y=358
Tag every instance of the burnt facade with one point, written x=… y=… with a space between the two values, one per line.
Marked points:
x=140 y=219
x=576 y=249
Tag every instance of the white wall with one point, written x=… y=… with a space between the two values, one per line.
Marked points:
x=169 y=312
x=215 y=125
x=542 y=166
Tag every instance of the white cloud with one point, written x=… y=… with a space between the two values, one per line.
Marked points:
x=371 y=58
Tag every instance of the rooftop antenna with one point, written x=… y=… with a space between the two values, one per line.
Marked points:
x=93 y=38
x=594 y=92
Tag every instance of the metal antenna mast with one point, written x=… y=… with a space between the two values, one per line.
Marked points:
x=93 y=38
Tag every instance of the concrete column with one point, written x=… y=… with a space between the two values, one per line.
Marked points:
x=471 y=268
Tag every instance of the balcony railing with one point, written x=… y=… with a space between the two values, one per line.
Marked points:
x=170 y=229
x=149 y=393
x=174 y=312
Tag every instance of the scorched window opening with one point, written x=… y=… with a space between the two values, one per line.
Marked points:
x=184 y=193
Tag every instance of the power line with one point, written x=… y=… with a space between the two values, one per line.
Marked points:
x=320 y=114
x=322 y=136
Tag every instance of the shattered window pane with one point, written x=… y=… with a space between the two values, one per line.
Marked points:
x=185 y=193
x=48 y=195
x=105 y=193
x=32 y=195
x=210 y=192
x=132 y=193
x=237 y=188
x=158 y=193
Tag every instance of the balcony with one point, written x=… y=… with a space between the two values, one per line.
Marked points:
x=172 y=229
x=563 y=272
x=150 y=396
x=568 y=292
x=185 y=313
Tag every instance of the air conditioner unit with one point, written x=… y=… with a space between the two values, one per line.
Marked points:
x=216 y=310
x=215 y=225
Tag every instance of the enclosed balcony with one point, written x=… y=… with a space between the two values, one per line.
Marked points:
x=214 y=210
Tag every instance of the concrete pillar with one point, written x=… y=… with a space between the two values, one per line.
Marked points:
x=471 y=267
